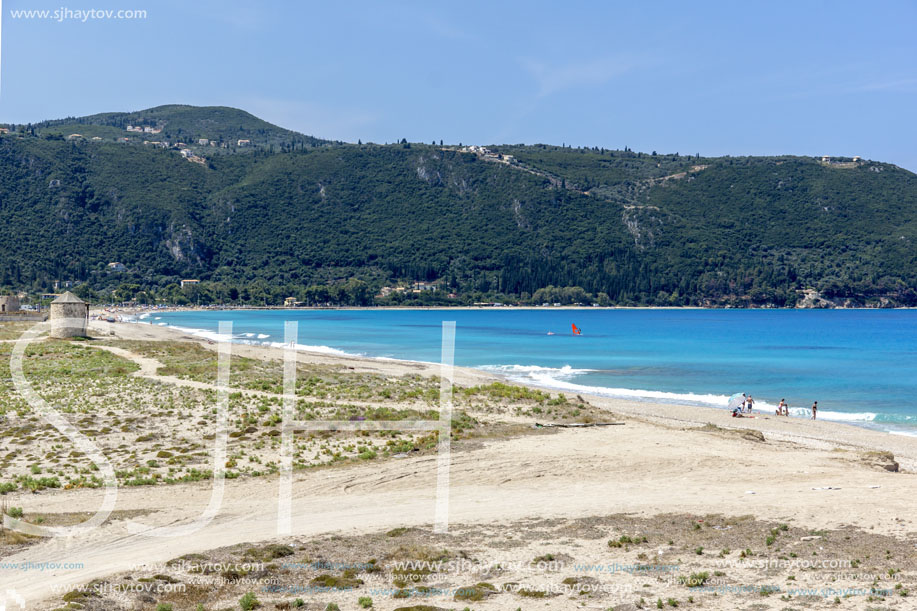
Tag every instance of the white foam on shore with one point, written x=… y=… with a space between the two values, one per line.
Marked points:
x=315 y=349
x=559 y=379
x=249 y=339
x=562 y=373
x=806 y=412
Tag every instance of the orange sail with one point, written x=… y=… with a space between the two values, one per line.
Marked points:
x=576 y=330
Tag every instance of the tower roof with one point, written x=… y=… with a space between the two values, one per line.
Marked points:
x=68 y=297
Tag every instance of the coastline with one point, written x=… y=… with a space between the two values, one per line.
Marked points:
x=211 y=308
x=668 y=464
x=544 y=378
x=801 y=431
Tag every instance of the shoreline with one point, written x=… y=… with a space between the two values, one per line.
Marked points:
x=678 y=468
x=803 y=431
x=212 y=308
x=642 y=396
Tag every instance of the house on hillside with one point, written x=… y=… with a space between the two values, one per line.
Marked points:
x=189 y=283
x=116 y=267
x=244 y=143
x=203 y=141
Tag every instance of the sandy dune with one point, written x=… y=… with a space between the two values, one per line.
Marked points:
x=806 y=473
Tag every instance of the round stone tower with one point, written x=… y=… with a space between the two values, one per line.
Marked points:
x=9 y=303
x=69 y=316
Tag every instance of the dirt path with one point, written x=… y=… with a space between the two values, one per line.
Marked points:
x=657 y=463
x=640 y=468
x=149 y=368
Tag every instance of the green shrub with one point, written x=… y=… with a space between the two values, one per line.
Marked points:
x=249 y=602
x=365 y=601
x=695 y=580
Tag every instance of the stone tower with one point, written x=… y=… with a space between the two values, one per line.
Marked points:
x=69 y=316
x=9 y=303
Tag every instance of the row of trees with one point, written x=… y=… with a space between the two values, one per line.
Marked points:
x=356 y=292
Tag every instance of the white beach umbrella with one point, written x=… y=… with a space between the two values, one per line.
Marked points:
x=735 y=401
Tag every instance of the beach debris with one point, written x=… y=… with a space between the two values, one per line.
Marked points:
x=750 y=492
x=746 y=434
x=752 y=435
x=811 y=538
x=575 y=425
x=880 y=460
x=826 y=488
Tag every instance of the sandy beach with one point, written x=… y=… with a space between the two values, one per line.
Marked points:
x=665 y=460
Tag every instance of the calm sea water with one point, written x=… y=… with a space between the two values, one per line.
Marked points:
x=860 y=365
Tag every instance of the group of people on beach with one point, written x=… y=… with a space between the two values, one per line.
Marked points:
x=783 y=409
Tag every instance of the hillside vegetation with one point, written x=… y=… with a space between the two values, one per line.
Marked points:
x=326 y=222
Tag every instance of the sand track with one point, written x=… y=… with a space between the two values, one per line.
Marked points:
x=571 y=473
x=657 y=463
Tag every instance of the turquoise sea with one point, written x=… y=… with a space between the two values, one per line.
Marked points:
x=860 y=365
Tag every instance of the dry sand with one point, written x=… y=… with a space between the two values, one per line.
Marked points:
x=807 y=474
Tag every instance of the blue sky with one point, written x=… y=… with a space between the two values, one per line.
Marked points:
x=716 y=78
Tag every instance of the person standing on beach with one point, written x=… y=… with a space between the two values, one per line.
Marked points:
x=749 y=402
x=814 y=409
x=782 y=408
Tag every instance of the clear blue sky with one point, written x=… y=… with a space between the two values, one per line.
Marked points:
x=716 y=78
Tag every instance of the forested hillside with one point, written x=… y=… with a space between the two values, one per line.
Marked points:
x=289 y=215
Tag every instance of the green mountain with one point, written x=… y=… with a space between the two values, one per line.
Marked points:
x=290 y=215
x=179 y=123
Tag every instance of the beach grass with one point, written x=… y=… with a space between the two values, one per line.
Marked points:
x=154 y=432
x=494 y=567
